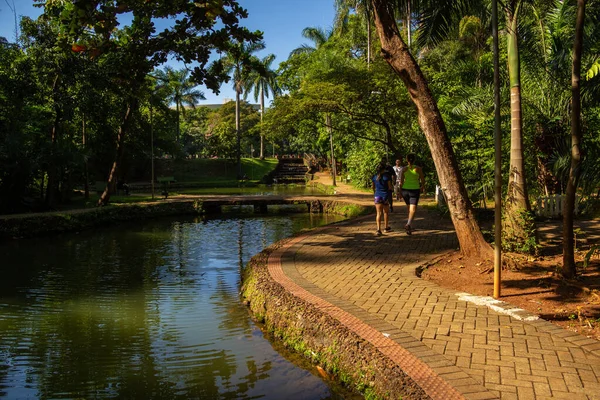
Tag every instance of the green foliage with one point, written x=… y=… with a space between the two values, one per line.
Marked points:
x=220 y=130
x=594 y=70
x=362 y=162
x=520 y=234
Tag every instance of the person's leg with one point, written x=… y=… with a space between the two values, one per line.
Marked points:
x=406 y=198
x=379 y=211
x=386 y=217
x=391 y=200
x=412 y=209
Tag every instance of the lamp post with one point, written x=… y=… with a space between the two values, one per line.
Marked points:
x=497 y=158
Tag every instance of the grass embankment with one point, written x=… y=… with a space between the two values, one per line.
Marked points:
x=220 y=172
x=188 y=174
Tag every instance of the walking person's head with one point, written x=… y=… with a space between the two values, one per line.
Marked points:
x=410 y=158
x=398 y=162
x=381 y=168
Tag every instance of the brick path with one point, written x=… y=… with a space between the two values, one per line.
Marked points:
x=451 y=347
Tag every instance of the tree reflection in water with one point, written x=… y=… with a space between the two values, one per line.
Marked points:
x=150 y=311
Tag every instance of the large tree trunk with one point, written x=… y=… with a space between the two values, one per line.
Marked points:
x=408 y=23
x=568 y=268
x=112 y=176
x=397 y=54
x=517 y=197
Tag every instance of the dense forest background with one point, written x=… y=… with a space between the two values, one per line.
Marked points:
x=83 y=99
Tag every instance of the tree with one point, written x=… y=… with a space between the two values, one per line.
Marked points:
x=517 y=202
x=181 y=91
x=221 y=130
x=263 y=83
x=240 y=63
x=397 y=54
x=89 y=27
x=317 y=35
x=568 y=268
x=362 y=8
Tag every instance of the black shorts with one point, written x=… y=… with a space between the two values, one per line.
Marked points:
x=411 y=196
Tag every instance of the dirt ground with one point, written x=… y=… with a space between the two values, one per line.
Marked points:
x=535 y=286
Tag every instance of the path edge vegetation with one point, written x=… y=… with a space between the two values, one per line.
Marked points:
x=322 y=339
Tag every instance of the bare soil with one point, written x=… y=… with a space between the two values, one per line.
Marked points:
x=534 y=285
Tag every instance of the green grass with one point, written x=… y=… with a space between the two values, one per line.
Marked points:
x=220 y=172
x=80 y=202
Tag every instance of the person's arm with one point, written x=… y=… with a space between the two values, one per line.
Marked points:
x=390 y=185
x=422 y=180
x=373 y=185
x=402 y=177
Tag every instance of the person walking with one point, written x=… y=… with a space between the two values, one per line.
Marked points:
x=398 y=170
x=382 y=184
x=412 y=182
x=389 y=170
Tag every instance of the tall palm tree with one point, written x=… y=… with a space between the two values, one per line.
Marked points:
x=240 y=63
x=263 y=83
x=180 y=90
x=362 y=8
x=316 y=35
x=517 y=197
x=568 y=269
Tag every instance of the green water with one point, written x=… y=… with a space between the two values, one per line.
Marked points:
x=144 y=311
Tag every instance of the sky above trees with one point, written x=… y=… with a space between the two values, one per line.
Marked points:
x=281 y=21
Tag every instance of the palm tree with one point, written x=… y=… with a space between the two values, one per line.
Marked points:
x=317 y=35
x=263 y=83
x=568 y=269
x=517 y=197
x=240 y=63
x=362 y=8
x=180 y=90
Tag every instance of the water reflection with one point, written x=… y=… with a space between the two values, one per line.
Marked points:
x=147 y=311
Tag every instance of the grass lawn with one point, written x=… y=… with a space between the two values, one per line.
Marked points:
x=220 y=172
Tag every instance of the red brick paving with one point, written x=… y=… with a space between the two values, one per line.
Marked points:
x=450 y=347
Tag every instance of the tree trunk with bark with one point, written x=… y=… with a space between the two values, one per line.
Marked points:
x=238 y=133
x=398 y=56
x=568 y=268
x=517 y=197
x=112 y=176
x=262 y=112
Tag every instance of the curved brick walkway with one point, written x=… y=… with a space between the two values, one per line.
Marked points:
x=453 y=348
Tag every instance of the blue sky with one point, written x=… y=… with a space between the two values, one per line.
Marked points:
x=281 y=21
